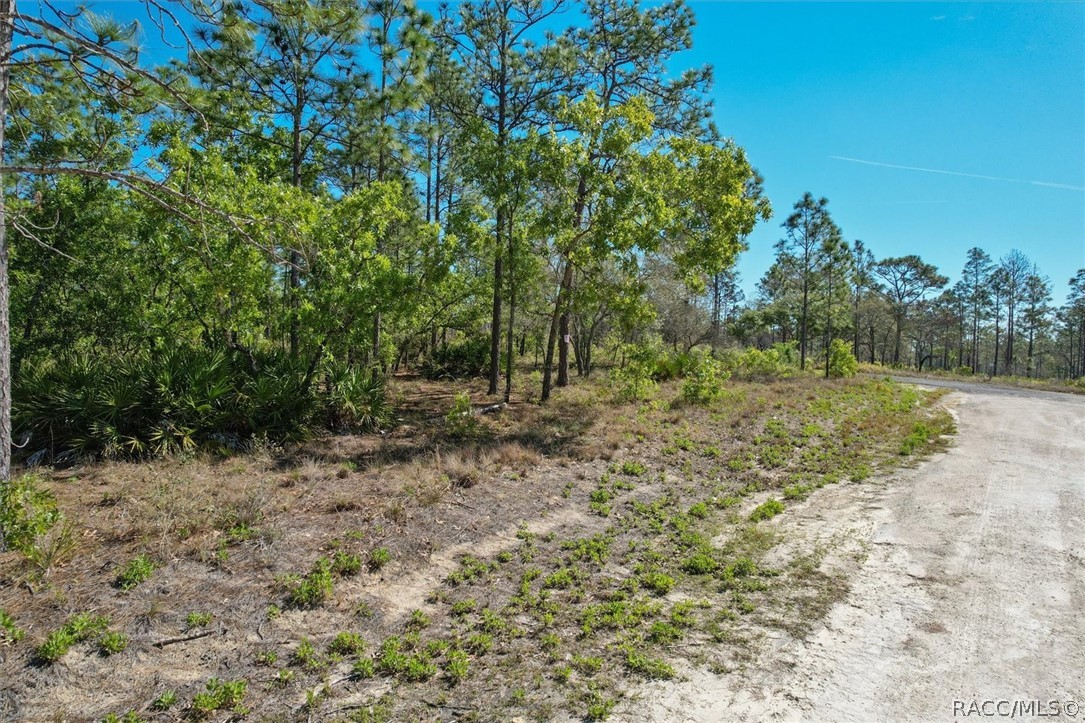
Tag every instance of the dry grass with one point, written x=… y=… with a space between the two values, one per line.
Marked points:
x=234 y=538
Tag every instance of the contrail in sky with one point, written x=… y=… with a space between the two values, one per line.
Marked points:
x=1045 y=184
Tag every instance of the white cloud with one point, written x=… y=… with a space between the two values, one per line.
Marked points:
x=1045 y=184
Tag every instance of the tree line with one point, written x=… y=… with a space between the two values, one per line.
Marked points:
x=996 y=319
x=244 y=238
x=315 y=189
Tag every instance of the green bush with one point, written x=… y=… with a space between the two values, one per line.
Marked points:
x=112 y=643
x=673 y=366
x=220 y=695
x=780 y=360
x=459 y=360
x=704 y=380
x=460 y=421
x=355 y=399
x=636 y=379
x=10 y=632
x=27 y=511
x=842 y=363
x=313 y=589
x=182 y=399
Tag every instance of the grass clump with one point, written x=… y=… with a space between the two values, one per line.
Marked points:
x=919 y=436
x=78 y=629
x=662 y=633
x=313 y=589
x=220 y=695
x=344 y=564
x=27 y=511
x=650 y=668
x=700 y=564
x=197 y=619
x=139 y=569
x=457 y=666
x=9 y=631
x=166 y=700
x=379 y=557
x=112 y=643
x=658 y=582
x=471 y=569
x=363 y=669
x=347 y=644
x=461 y=608
x=595 y=549
x=587 y=664
x=767 y=510
x=306 y=656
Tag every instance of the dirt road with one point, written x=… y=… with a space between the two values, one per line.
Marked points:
x=972 y=587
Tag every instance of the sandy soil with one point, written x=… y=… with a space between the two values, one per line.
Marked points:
x=967 y=583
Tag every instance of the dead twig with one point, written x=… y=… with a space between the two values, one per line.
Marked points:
x=182 y=639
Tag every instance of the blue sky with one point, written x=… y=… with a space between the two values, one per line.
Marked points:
x=991 y=89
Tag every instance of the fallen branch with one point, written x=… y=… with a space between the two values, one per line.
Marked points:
x=182 y=639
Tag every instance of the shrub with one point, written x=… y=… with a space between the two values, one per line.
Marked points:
x=700 y=564
x=220 y=695
x=781 y=360
x=459 y=360
x=842 y=363
x=635 y=379
x=177 y=400
x=457 y=666
x=918 y=437
x=355 y=399
x=379 y=557
x=9 y=631
x=704 y=382
x=673 y=366
x=184 y=398
x=657 y=582
x=345 y=564
x=27 y=511
x=165 y=701
x=79 y=628
x=460 y=421
x=198 y=620
x=648 y=667
x=347 y=644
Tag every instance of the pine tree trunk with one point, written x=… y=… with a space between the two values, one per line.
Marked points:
x=563 y=350
x=7 y=11
x=559 y=305
x=512 y=315
x=495 y=320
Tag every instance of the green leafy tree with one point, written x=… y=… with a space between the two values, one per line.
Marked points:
x=976 y=292
x=288 y=63
x=509 y=80
x=836 y=262
x=806 y=231
x=906 y=282
x=625 y=53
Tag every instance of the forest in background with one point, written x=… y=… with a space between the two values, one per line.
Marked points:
x=245 y=241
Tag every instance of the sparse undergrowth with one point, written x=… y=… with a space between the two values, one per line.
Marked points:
x=669 y=566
